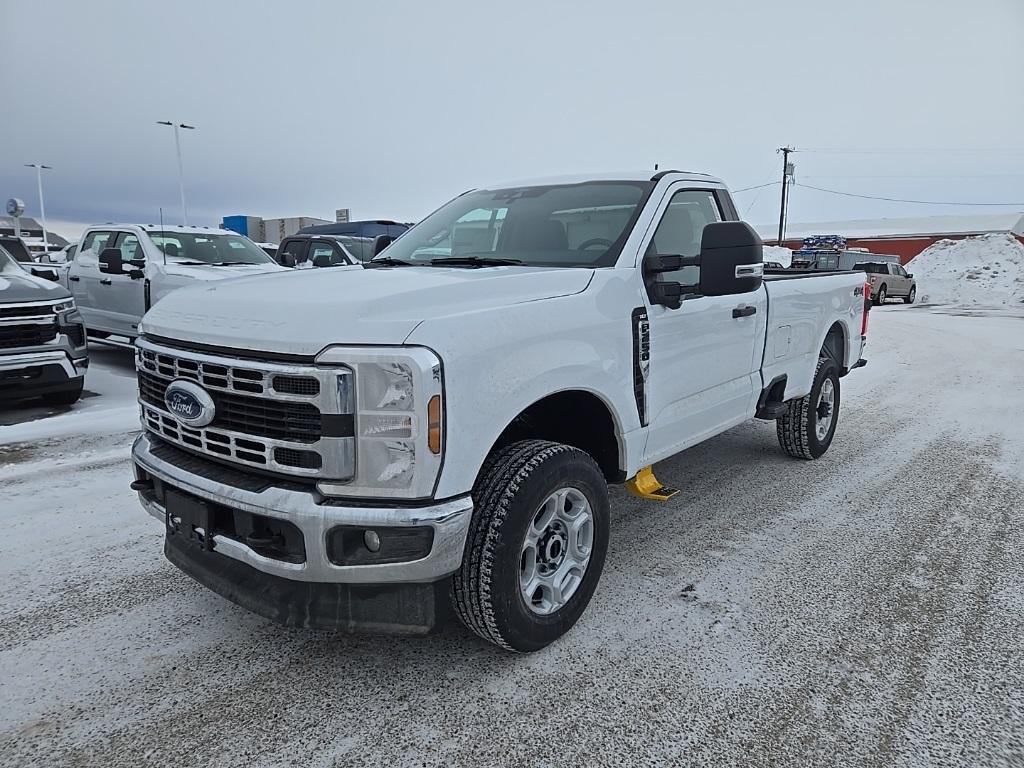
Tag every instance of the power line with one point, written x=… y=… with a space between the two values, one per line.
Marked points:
x=915 y=176
x=908 y=150
x=759 y=186
x=900 y=200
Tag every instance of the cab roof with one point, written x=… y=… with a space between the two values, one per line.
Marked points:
x=163 y=228
x=582 y=178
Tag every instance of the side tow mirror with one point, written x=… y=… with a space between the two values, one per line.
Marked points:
x=46 y=274
x=731 y=258
x=321 y=260
x=381 y=242
x=666 y=292
x=910 y=275
x=111 y=262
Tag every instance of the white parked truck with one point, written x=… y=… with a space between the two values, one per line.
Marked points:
x=367 y=449
x=120 y=270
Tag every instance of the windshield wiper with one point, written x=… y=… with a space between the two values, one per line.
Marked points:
x=387 y=261
x=473 y=261
x=228 y=263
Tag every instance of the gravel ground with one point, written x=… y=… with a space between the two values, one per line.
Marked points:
x=863 y=609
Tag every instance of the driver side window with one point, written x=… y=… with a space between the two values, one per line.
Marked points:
x=680 y=229
x=128 y=244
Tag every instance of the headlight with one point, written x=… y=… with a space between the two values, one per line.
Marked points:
x=398 y=414
x=64 y=306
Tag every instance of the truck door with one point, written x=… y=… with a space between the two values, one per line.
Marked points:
x=84 y=278
x=704 y=373
x=125 y=298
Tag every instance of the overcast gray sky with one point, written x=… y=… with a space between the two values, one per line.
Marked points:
x=391 y=108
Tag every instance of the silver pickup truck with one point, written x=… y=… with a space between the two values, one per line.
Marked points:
x=121 y=270
x=888 y=281
x=42 y=338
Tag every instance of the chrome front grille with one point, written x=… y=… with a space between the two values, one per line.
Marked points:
x=281 y=418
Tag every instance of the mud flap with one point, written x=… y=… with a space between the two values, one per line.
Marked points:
x=646 y=486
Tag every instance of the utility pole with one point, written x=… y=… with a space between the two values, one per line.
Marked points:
x=42 y=207
x=181 y=170
x=787 y=172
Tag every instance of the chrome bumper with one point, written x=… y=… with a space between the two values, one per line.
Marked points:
x=73 y=367
x=450 y=521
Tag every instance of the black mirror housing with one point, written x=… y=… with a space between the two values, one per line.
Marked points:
x=111 y=262
x=46 y=274
x=731 y=259
x=381 y=242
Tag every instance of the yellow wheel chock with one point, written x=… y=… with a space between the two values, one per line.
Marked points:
x=646 y=486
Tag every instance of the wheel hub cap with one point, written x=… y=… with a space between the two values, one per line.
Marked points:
x=825 y=409
x=556 y=551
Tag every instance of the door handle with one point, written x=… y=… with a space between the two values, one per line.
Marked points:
x=106 y=281
x=74 y=279
x=744 y=311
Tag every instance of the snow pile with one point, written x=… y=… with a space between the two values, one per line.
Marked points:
x=776 y=253
x=987 y=270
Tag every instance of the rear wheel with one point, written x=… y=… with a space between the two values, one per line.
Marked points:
x=880 y=298
x=806 y=430
x=536 y=545
x=911 y=296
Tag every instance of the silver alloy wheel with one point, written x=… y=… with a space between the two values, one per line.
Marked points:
x=825 y=409
x=556 y=551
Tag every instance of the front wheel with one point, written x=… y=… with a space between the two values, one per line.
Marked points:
x=911 y=296
x=806 y=429
x=536 y=544
x=68 y=396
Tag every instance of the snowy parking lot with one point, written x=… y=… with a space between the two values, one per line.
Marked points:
x=864 y=609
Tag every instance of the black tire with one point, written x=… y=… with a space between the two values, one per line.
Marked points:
x=68 y=396
x=513 y=483
x=909 y=299
x=880 y=298
x=797 y=428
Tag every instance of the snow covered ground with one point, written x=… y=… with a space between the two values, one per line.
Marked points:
x=977 y=271
x=863 y=609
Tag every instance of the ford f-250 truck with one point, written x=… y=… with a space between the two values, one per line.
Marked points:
x=362 y=450
x=121 y=270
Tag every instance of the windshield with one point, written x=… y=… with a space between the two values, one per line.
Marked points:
x=16 y=248
x=572 y=225
x=873 y=268
x=8 y=265
x=202 y=248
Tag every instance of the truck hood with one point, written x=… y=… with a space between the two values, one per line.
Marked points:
x=25 y=287
x=209 y=272
x=303 y=311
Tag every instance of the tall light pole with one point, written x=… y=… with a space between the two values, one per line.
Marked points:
x=787 y=174
x=181 y=170
x=42 y=208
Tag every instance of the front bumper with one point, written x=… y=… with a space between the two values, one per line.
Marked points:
x=31 y=374
x=314 y=517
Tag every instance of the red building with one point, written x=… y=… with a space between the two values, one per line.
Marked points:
x=903 y=237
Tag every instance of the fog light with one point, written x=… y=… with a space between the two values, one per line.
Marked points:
x=372 y=541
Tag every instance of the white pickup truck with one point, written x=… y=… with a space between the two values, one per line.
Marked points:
x=120 y=270
x=368 y=449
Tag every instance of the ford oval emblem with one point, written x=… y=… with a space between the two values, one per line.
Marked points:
x=189 y=403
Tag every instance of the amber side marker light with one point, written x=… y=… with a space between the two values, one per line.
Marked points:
x=434 y=424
